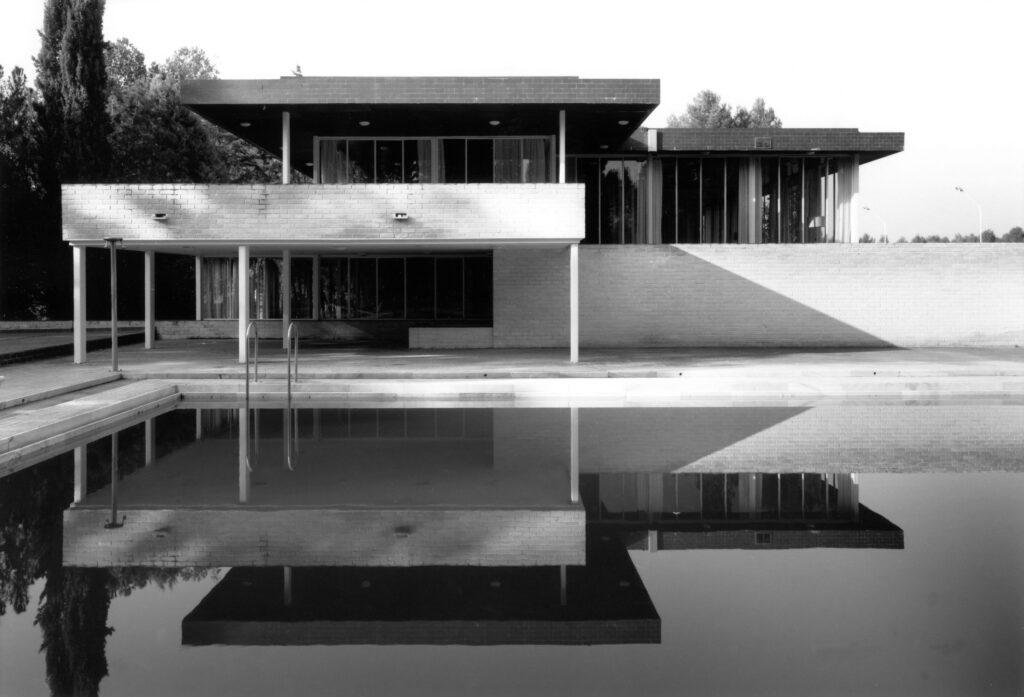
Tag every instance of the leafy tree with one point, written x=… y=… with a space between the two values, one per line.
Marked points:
x=866 y=239
x=1016 y=234
x=125 y=65
x=707 y=110
x=989 y=236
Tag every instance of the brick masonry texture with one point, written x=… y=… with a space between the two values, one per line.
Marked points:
x=260 y=213
x=423 y=90
x=911 y=295
x=226 y=537
x=531 y=297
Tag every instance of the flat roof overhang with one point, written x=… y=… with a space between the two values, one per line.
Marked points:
x=598 y=111
x=776 y=141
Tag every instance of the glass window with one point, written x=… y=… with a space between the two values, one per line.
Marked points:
x=391 y=290
x=732 y=199
x=508 y=156
x=419 y=287
x=713 y=200
x=360 y=162
x=536 y=160
x=791 y=200
x=302 y=288
x=265 y=288
x=814 y=199
x=333 y=288
x=389 y=162
x=588 y=173
x=219 y=280
x=333 y=162
x=417 y=161
x=449 y=288
x=668 y=201
x=611 y=202
x=634 y=201
x=479 y=161
x=478 y=287
x=769 y=200
x=453 y=160
x=362 y=289
x=688 y=200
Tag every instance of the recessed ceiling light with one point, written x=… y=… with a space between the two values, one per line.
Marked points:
x=309 y=164
x=494 y=122
x=604 y=147
x=245 y=124
x=623 y=122
x=364 y=123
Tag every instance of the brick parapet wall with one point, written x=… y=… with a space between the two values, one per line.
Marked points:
x=361 y=213
x=911 y=295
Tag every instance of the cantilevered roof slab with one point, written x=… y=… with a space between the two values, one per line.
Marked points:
x=598 y=111
x=779 y=141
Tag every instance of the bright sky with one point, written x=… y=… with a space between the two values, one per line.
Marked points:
x=947 y=74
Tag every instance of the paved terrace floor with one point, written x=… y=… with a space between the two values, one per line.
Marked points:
x=993 y=371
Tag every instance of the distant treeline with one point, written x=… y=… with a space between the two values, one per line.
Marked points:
x=1016 y=234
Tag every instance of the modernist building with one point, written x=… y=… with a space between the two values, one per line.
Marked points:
x=450 y=212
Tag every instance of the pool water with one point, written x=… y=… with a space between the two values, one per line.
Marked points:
x=745 y=550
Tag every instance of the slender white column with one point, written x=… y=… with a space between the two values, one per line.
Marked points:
x=286 y=296
x=243 y=299
x=199 y=288
x=574 y=303
x=854 y=206
x=574 y=454
x=150 y=298
x=561 y=146
x=80 y=473
x=286 y=148
x=150 y=443
x=78 y=256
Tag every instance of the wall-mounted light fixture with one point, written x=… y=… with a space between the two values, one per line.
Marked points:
x=364 y=123
x=604 y=147
x=623 y=122
x=162 y=217
x=494 y=122
x=400 y=216
x=244 y=124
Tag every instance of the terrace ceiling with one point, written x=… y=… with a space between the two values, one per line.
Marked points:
x=598 y=112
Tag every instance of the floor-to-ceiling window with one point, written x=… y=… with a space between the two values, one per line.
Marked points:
x=475 y=160
x=615 y=199
x=442 y=287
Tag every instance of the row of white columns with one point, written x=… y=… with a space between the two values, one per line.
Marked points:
x=79 y=312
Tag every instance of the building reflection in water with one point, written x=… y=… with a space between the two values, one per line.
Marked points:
x=451 y=526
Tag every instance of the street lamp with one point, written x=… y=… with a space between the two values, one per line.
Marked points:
x=971 y=198
x=112 y=243
x=885 y=225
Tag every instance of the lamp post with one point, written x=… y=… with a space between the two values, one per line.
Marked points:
x=971 y=199
x=112 y=243
x=885 y=225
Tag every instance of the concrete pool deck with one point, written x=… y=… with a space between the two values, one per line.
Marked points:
x=765 y=373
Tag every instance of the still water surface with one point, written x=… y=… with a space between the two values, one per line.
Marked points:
x=439 y=551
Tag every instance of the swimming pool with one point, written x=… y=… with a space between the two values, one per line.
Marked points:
x=842 y=549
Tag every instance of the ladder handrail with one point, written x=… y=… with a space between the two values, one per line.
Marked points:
x=291 y=435
x=254 y=328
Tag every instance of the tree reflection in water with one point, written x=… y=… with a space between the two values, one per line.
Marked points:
x=74 y=602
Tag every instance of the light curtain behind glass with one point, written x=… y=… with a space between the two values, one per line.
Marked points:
x=219 y=286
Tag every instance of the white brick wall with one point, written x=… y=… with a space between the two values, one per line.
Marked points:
x=531 y=297
x=265 y=213
x=802 y=295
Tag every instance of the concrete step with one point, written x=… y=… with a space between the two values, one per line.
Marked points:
x=27 y=431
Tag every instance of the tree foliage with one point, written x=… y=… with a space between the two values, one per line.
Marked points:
x=707 y=110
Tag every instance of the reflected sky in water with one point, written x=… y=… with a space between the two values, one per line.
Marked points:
x=942 y=615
